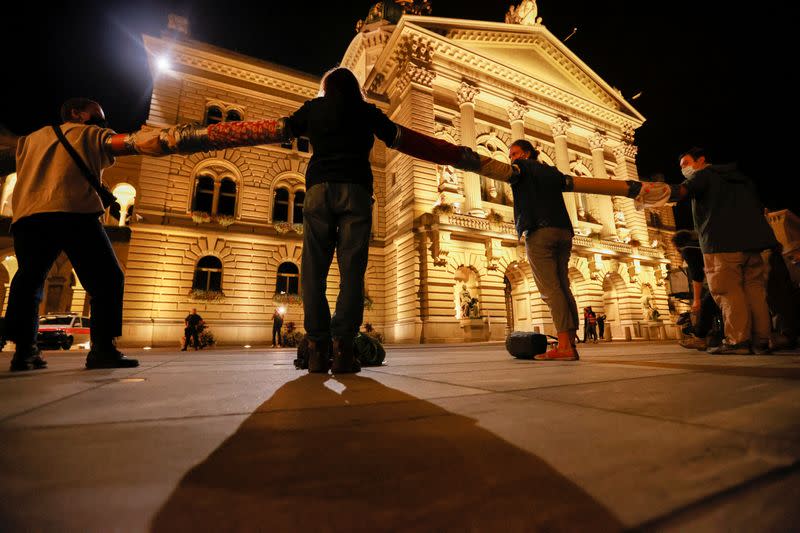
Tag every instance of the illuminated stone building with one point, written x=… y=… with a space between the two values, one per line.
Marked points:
x=222 y=231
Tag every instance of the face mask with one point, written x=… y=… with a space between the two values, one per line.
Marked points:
x=688 y=172
x=97 y=121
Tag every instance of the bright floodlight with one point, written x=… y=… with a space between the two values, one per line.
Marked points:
x=281 y=310
x=163 y=63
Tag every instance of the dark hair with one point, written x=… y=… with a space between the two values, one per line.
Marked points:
x=341 y=84
x=695 y=153
x=684 y=238
x=526 y=147
x=74 y=104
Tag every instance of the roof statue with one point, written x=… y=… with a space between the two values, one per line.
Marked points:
x=525 y=13
x=391 y=11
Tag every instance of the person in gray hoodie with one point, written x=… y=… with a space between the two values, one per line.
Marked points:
x=730 y=222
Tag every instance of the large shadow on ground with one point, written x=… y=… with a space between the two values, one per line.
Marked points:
x=370 y=458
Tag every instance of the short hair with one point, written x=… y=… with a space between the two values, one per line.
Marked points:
x=684 y=237
x=695 y=153
x=526 y=147
x=74 y=104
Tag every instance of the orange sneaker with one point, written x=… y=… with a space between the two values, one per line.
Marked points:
x=557 y=355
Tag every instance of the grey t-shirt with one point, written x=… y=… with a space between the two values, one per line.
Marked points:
x=727 y=213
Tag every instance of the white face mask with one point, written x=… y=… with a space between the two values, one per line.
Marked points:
x=688 y=172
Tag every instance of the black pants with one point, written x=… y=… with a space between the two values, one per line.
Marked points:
x=190 y=332
x=783 y=297
x=591 y=332
x=336 y=217
x=276 y=333
x=601 y=329
x=38 y=240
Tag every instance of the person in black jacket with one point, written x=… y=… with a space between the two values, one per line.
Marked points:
x=729 y=219
x=541 y=217
x=337 y=212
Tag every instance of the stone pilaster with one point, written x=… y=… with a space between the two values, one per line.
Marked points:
x=603 y=204
x=472 y=182
x=559 y=129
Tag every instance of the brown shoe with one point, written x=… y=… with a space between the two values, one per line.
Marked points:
x=344 y=359
x=693 y=343
x=319 y=359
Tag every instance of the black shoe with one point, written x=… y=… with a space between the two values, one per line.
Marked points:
x=30 y=359
x=743 y=348
x=319 y=359
x=183 y=349
x=762 y=348
x=109 y=358
x=344 y=358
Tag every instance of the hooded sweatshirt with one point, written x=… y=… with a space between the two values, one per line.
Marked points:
x=728 y=215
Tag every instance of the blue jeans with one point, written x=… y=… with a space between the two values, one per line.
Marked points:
x=336 y=217
x=38 y=240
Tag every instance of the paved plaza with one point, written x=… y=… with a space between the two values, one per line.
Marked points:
x=635 y=436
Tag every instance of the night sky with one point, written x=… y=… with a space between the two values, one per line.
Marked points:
x=708 y=77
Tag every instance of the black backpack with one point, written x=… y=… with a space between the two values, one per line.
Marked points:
x=526 y=344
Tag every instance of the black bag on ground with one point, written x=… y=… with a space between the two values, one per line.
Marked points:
x=369 y=351
x=526 y=344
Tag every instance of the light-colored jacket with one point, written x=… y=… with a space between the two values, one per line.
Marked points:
x=49 y=181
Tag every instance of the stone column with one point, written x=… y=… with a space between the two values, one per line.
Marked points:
x=605 y=208
x=290 y=216
x=625 y=154
x=559 y=128
x=215 y=201
x=516 y=116
x=472 y=182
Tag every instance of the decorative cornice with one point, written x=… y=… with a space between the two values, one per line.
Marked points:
x=466 y=93
x=494 y=37
x=625 y=151
x=181 y=58
x=419 y=75
x=560 y=127
x=462 y=61
x=597 y=141
x=516 y=111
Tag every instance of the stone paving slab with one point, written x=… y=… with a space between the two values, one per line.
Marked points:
x=440 y=438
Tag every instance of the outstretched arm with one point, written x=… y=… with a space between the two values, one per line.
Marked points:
x=191 y=138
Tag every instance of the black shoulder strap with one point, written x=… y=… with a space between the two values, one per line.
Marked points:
x=90 y=177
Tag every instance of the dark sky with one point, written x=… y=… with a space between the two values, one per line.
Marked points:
x=709 y=77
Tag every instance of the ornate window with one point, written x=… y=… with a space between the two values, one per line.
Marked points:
x=299 y=198
x=227 y=197
x=288 y=279
x=280 y=209
x=287 y=201
x=217 y=112
x=203 y=194
x=215 y=191
x=208 y=274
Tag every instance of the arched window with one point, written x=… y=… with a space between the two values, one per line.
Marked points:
x=233 y=115
x=208 y=274
x=227 y=197
x=288 y=279
x=655 y=219
x=493 y=191
x=280 y=209
x=203 y=194
x=299 y=198
x=213 y=114
x=126 y=197
x=8 y=194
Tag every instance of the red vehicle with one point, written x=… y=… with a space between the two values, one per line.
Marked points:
x=62 y=331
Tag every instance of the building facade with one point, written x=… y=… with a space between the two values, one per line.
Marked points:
x=222 y=231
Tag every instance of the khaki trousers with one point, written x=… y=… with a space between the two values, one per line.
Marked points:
x=548 y=251
x=738 y=284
